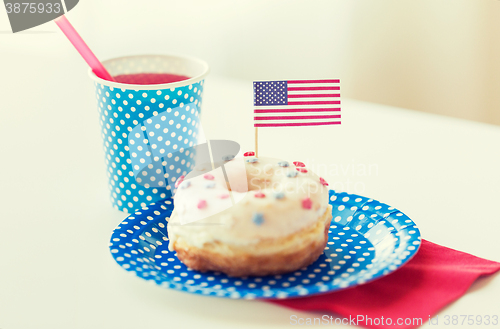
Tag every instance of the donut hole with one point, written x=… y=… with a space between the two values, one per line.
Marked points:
x=242 y=177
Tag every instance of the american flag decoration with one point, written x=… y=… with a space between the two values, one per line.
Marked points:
x=296 y=103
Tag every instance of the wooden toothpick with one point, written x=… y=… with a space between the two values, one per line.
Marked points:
x=256 y=142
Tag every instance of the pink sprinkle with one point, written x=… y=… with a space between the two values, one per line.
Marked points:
x=202 y=204
x=298 y=164
x=322 y=181
x=306 y=203
x=302 y=169
x=179 y=181
x=208 y=176
x=260 y=195
x=224 y=196
x=249 y=154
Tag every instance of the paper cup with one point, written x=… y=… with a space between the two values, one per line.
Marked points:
x=144 y=125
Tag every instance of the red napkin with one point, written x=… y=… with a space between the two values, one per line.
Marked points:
x=435 y=277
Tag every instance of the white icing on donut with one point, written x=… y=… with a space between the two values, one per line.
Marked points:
x=257 y=213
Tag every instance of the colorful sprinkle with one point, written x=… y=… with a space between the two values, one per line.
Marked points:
x=279 y=195
x=298 y=164
x=260 y=195
x=224 y=196
x=322 y=181
x=210 y=185
x=253 y=160
x=306 y=203
x=283 y=164
x=208 y=176
x=185 y=185
x=179 y=181
x=291 y=174
x=202 y=204
x=228 y=157
x=249 y=154
x=258 y=218
x=304 y=170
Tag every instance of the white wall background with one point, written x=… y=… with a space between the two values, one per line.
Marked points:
x=440 y=56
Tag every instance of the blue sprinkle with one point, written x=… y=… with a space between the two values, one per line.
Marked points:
x=252 y=160
x=291 y=174
x=228 y=157
x=258 y=218
x=210 y=185
x=185 y=184
x=279 y=195
x=283 y=164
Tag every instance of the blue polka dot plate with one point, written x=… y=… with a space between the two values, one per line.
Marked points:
x=367 y=240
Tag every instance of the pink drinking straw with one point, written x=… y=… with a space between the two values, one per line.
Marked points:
x=82 y=48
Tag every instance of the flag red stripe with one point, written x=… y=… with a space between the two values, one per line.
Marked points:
x=312 y=88
x=299 y=117
x=298 y=110
x=314 y=103
x=257 y=125
x=313 y=95
x=314 y=81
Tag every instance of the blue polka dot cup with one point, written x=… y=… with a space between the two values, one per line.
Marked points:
x=143 y=125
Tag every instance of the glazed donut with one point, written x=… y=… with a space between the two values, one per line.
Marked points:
x=250 y=217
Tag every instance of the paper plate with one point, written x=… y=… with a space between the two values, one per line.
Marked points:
x=367 y=240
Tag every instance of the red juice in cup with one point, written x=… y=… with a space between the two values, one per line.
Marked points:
x=149 y=78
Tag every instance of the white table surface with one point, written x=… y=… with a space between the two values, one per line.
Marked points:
x=55 y=267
